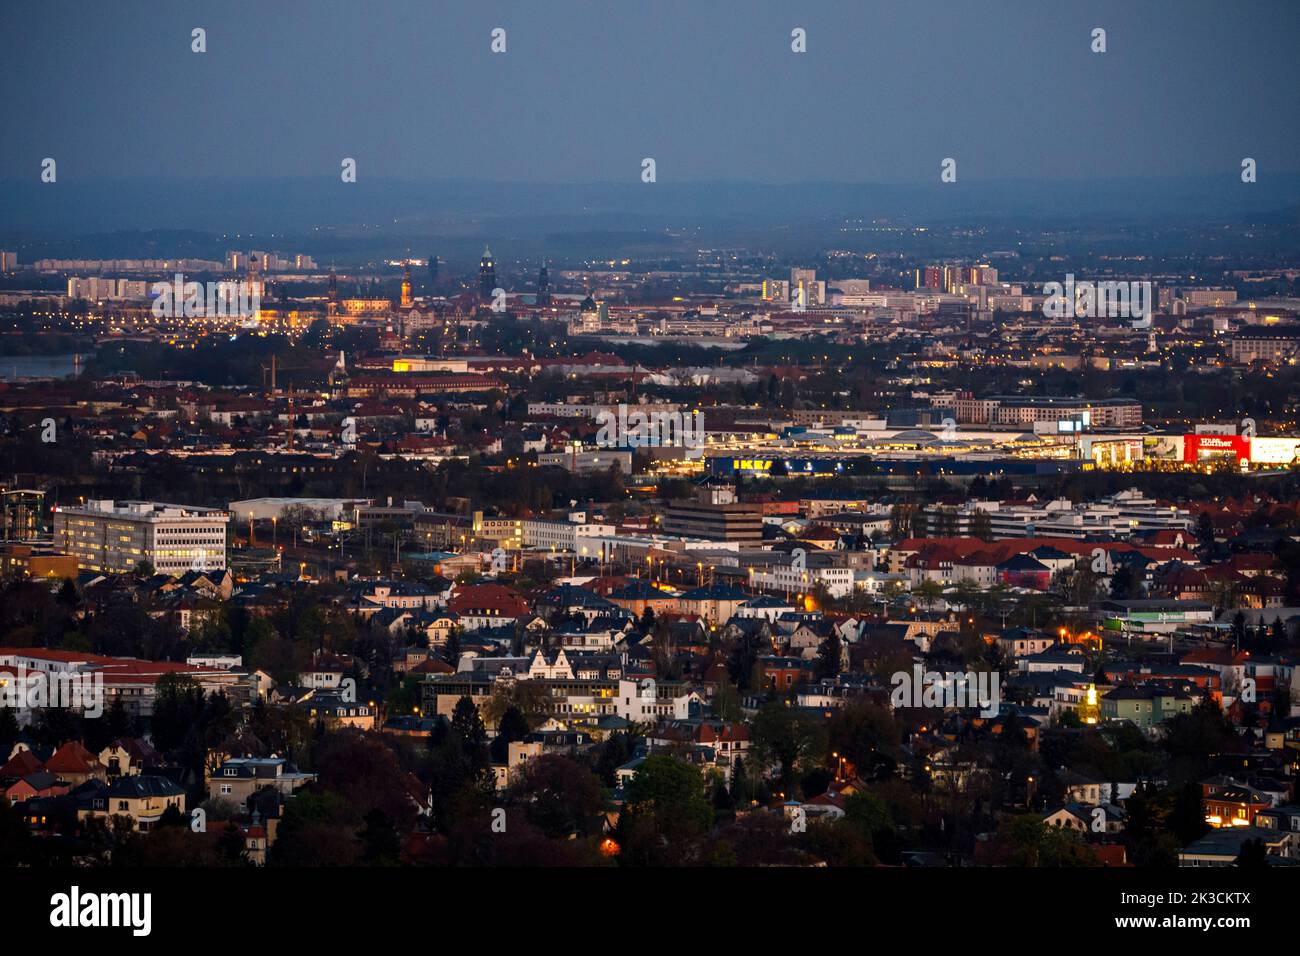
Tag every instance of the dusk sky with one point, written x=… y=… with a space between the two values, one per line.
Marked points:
x=711 y=90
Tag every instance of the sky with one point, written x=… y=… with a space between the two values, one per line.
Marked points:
x=139 y=124
x=709 y=88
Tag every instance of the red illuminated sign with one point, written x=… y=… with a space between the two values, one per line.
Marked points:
x=1200 y=447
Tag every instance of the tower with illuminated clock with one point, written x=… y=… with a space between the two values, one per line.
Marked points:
x=487 y=276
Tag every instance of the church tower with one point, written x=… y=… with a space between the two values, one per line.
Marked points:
x=487 y=276
x=543 y=288
x=406 y=301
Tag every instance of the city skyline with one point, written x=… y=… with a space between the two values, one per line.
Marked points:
x=625 y=438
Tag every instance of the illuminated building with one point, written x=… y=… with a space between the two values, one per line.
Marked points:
x=716 y=519
x=1089 y=709
x=406 y=300
x=20 y=514
x=115 y=536
x=1278 y=343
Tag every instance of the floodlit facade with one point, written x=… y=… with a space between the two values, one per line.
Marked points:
x=115 y=536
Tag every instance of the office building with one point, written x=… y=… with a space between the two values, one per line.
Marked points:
x=716 y=516
x=115 y=536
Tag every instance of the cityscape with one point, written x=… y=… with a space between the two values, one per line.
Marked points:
x=623 y=521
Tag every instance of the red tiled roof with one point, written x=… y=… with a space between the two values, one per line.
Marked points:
x=72 y=757
x=506 y=602
x=115 y=670
x=21 y=764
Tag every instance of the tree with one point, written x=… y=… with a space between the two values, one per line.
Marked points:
x=15 y=838
x=366 y=773
x=1123 y=583
x=838 y=843
x=461 y=781
x=513 y=726
x=828 y=655
x=1253 y=855
x=563 y=797
x=117 y=719
x=726 y=703
x=1223 y=593
x=927 y=592
x=867 y=812
x=1191 y=740
x=1205 y=529
x=741 y=791
x=9 y=730
x=68 y=596
x=230 y=845
x=782 y=736
x=178 y=707
x=742 y=660
x=610 y=755
x=981 y=526
x=529 y=698
x=1030 y=842
x=218 y=808
x=318 y=829
x=663 y=649
x=280 y=656
x=665 y=816
x=865 y=735
x=467 y=727
x=405 y=697
x=1239 y=628
x=169 y=846
x=381 y=845
x=945 y=522
x=173 y=817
